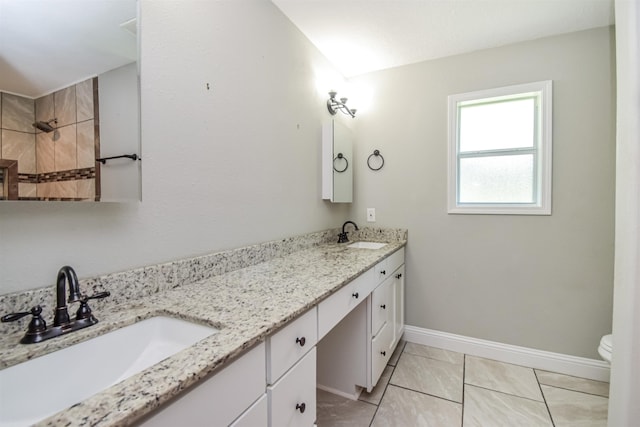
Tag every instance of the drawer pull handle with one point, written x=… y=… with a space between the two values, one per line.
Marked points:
x=383 y=306
x=355 y=295
x=399 y=275
x=383 y=272
x=384 y=353
x=301 y=341
x=301 y=407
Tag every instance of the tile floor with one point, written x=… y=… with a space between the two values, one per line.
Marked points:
x=426 y=386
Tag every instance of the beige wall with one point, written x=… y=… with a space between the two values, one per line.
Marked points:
x=536 y=281
x=240 y=163
x=225 y=167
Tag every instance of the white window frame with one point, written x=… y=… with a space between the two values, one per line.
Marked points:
x=542 y=151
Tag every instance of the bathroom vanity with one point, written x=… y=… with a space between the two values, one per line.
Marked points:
x=279 y=309
x=347 y=339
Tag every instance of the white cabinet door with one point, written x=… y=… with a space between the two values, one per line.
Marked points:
x=382 y=305
x=381 y=349
x=255 y=416
x=218 y=400
x=292 y=400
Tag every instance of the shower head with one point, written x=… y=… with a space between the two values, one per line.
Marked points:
x=45 y=126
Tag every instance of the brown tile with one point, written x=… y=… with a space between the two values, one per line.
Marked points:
x=65 y=105
x=26 y=189
x=86 y=147
x=65 y=189
x=45 y=153
x=20 y=146
x=86 y=189
x=44 y=108
x=44 y=189
x=18 y=113
x=84 y=100
x=65 y=148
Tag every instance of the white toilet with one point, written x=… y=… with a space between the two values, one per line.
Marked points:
x=605 y=348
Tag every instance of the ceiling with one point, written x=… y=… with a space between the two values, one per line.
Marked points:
x=360 y=36
x=46 y=45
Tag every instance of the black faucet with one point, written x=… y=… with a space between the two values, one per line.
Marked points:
x=62 y=324
x=65 y=275
x=342 y=237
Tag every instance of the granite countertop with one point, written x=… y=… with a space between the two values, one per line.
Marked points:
x=246 y=306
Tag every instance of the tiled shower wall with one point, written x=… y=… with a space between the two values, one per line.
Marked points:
x=58 y=165
x=17 y=137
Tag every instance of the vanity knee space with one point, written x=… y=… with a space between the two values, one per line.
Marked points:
x=361 y=335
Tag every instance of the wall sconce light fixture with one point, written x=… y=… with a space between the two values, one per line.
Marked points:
x=333 y=105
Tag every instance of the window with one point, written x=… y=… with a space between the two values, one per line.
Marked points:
x=500 y=150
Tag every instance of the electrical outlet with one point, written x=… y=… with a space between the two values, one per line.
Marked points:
x=371 y=214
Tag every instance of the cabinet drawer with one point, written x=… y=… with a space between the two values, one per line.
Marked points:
x=217 y=400
x=292 y=400
x=381 y=351
x=388 y=265
x=381 y=305
x=382 y=271
x=255 y=416
x=395 y=260
x=288 y=345
x=332 y=310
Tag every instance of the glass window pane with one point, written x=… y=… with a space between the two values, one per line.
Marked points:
x=497 y=179
x=497 y=125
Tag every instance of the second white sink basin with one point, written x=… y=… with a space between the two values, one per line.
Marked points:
x=38 y=388
x=367 y=245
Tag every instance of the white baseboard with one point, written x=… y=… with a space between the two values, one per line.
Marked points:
x=539 y=359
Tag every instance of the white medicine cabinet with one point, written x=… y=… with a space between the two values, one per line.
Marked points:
x=337 y=162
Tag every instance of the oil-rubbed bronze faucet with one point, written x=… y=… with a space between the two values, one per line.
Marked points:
x=62 y=324
x=342 y=237
x=65 y=275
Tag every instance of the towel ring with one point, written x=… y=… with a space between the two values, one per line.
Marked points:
x=376 y=153
x=340 y=156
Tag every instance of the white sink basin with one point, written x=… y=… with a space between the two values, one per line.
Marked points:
x=41 y=387
x=367 y=245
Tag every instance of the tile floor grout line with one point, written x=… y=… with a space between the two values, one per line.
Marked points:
x=464 y=372
x=393 y=368
x=553 y=424
x=464 y=385
x=573 y=390
x=508 y=394
x=426 y=394
x=572 y=376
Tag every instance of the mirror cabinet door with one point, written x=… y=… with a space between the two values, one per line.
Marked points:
x=56 y=121
x=337 y=162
